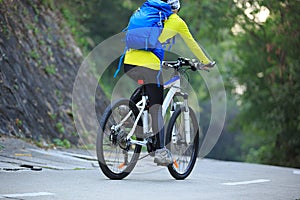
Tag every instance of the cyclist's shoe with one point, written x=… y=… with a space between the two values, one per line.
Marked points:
x=163 y=157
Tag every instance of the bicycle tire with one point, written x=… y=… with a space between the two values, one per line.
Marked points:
x=180 y=150
x=111 y=168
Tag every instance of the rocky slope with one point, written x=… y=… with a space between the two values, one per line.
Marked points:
x=38 y=64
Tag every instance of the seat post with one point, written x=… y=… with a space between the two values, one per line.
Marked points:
x=145 y=111
x=142 y=84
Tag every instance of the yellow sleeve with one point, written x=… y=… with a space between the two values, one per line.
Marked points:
x=176 y=24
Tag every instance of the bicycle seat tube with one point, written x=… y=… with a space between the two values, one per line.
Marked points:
x=145 y=111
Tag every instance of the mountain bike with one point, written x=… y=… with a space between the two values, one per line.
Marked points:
x=125 y=128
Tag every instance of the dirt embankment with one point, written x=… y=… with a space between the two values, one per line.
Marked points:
x=39 y=60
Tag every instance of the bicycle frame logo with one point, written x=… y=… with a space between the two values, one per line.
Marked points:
x=86 y=117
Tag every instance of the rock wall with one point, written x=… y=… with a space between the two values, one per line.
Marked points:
x=38 y=64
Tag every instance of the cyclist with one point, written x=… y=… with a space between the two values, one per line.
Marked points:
x=145 y=65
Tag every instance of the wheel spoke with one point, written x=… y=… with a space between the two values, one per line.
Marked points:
x=116 y=159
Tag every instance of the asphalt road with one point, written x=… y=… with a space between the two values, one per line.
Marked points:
x=55 y=174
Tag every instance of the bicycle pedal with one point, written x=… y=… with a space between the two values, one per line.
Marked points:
x=161 y=164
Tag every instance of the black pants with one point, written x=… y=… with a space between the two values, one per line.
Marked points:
x=155 y=96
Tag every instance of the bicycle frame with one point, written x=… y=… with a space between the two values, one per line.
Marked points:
x=175 y=89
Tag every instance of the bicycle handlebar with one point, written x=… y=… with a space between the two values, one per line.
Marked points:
x=192 y=63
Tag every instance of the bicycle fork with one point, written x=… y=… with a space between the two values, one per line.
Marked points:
x=186 y=120
x=186 y=117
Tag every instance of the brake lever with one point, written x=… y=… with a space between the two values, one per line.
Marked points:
x=212 y=64
x=205 y=67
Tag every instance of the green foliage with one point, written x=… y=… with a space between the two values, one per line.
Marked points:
x=49 y=3
x=269 y=71
x=62 y=143
x=62 y=43
x=59 y=95
x=93 y=21
x=60 y=127
x=34 y=55
x=53 y=116
x=209 y=20
x=4 y=29
x=50 y=69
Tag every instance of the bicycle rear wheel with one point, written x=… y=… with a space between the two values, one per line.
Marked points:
x=184 y=151
x=116 y=157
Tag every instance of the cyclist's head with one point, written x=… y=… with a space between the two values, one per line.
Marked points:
x=175 y=4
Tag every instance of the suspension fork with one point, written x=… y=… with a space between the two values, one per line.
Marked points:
x=174 y=130
x=186 y=118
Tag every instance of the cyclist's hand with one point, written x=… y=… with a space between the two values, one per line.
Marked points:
x=206 y=67
x=211 y=64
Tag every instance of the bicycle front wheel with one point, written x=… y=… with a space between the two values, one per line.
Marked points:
x=116 y=157
x=182 y=140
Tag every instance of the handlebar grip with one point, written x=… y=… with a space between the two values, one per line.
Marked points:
x=165 y=65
